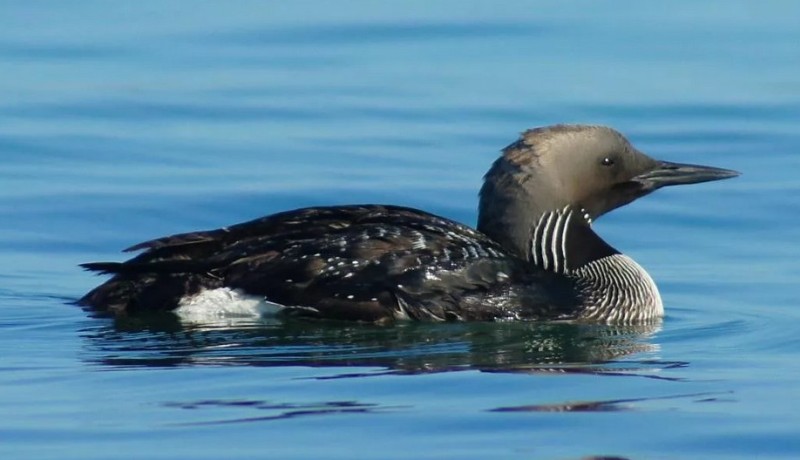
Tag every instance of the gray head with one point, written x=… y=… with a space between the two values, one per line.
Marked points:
x=591 y=169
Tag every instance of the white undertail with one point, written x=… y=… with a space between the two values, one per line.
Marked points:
x=223 y=304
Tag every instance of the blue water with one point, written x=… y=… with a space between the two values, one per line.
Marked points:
x=124 y=121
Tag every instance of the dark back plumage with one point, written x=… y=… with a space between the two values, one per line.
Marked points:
x=360 y=262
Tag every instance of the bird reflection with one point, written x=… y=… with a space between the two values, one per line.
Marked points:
x=361 y=349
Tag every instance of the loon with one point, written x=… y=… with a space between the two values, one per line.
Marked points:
x=533 y=256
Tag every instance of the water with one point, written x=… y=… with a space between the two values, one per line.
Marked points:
x=124 y=122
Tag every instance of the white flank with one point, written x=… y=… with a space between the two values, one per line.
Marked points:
x=213 y=306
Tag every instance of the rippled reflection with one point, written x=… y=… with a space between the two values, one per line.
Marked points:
x=611 y=405
x=276 y=411
x=404 y=348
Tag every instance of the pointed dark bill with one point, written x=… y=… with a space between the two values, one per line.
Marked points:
x=666 y=173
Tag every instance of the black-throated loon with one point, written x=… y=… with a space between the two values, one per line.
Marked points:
x=534 y=255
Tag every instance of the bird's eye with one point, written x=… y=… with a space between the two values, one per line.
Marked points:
x=607 y=161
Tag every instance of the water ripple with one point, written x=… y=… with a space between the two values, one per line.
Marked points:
x=358 y=33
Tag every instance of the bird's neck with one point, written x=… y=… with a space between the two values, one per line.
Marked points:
x=562 y=241
x=613 y=287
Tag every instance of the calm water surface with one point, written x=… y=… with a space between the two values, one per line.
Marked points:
x=126 y=121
